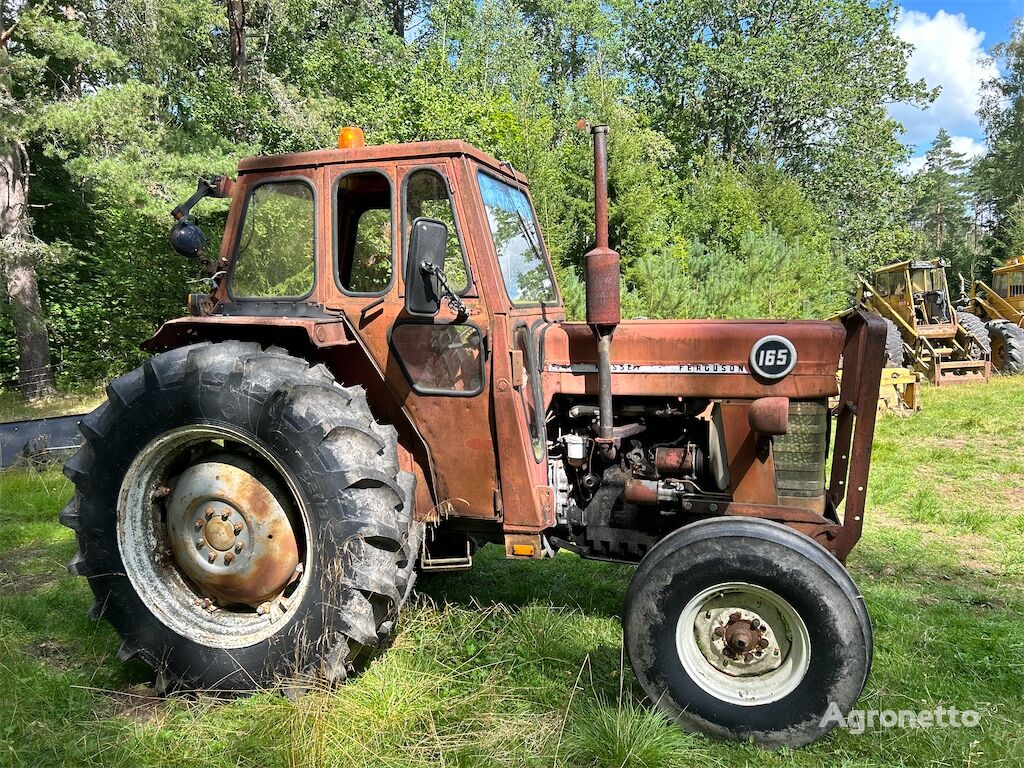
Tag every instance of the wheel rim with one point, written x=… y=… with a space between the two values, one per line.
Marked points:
x=743 y=644
x=212 y=533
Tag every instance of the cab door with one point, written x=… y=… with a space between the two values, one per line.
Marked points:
x=436 y=368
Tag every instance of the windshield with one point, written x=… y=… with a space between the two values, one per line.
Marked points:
x=928 y=280
x=275 y=250
x=517 y=242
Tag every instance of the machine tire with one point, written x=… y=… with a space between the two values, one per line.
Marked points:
x=828 y=632
x=975 y=327
x=1007 y=344
x=339 y=492
x=894 y=352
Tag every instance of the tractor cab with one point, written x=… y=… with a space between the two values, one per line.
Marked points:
x=1008 y=283
x=918 y=292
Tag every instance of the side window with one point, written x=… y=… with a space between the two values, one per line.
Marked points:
x=427 y=196
x=362 y=232
x=276 y=245
x=1000 y=285
x=441 y=359
x=882 y=284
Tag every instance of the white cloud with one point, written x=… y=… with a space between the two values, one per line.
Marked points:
x=913 y=165
x=947 y=53
x=968 y=147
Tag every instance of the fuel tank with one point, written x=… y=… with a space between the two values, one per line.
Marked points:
x=699 y=358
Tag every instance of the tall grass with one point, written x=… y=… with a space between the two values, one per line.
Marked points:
x=520 y=664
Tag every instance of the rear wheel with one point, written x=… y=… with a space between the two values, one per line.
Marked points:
x=747 y=629
x=979 y=346
x=1007 y=342
x=241 y=519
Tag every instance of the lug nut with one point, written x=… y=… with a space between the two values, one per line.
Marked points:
x=199 y=524
x=208 y=512
x=228 y=557
x=238 y=528
x=224 y=514
x=719 y=631
x=239 y=546
x=213 y=556
x=200 y=543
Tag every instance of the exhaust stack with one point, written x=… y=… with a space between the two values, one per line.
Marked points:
x=603 y=289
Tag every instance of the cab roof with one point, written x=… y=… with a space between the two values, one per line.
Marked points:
x=373 y=153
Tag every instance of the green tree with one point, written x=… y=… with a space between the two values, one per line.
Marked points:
x=46 y=58
x=1000 y=172
x=940 y=211
x=802 y=84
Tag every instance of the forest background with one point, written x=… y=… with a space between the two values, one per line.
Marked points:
x=754 y=164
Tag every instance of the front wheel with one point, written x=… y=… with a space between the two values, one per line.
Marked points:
x=242 y=519
x=743 y=628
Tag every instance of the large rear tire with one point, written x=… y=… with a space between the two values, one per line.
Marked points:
x=743 y=628
x=241 y=519
x=894 y=352
x=975 y=327
x=1007 y=342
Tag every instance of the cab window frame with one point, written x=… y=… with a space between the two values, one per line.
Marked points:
x=556 y=301
x=406 y=223
x=336 y=244
x=249 y=192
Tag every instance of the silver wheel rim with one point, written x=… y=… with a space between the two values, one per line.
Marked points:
x=189 y=590
x=743 y=644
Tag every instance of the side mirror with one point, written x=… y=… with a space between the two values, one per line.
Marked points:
x=187 y=239
x=427 y=242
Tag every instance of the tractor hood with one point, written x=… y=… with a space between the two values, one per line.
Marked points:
x=699 y=358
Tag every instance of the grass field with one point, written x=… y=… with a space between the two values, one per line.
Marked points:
x=519 y=664
x=13 y=408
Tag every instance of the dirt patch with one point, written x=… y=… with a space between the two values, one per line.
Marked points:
x=55 y=654
x=14 y=581
x=140 y=703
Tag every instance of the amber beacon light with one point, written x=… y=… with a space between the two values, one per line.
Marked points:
x=351 y=137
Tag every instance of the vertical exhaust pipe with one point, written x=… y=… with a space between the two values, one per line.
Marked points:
x=603 y=289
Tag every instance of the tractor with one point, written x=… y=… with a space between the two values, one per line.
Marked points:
x=923 y=330
x=1000 y=307
x=382 y=379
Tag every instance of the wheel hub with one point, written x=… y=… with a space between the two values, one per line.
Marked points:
x=737 y=641
x=229 y=533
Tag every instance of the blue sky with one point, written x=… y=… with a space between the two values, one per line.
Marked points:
x=952 y=39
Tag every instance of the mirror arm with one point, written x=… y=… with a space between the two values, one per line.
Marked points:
x=216 y=186
x=454 y=302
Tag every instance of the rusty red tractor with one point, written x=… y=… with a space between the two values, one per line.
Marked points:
x=382 y=379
